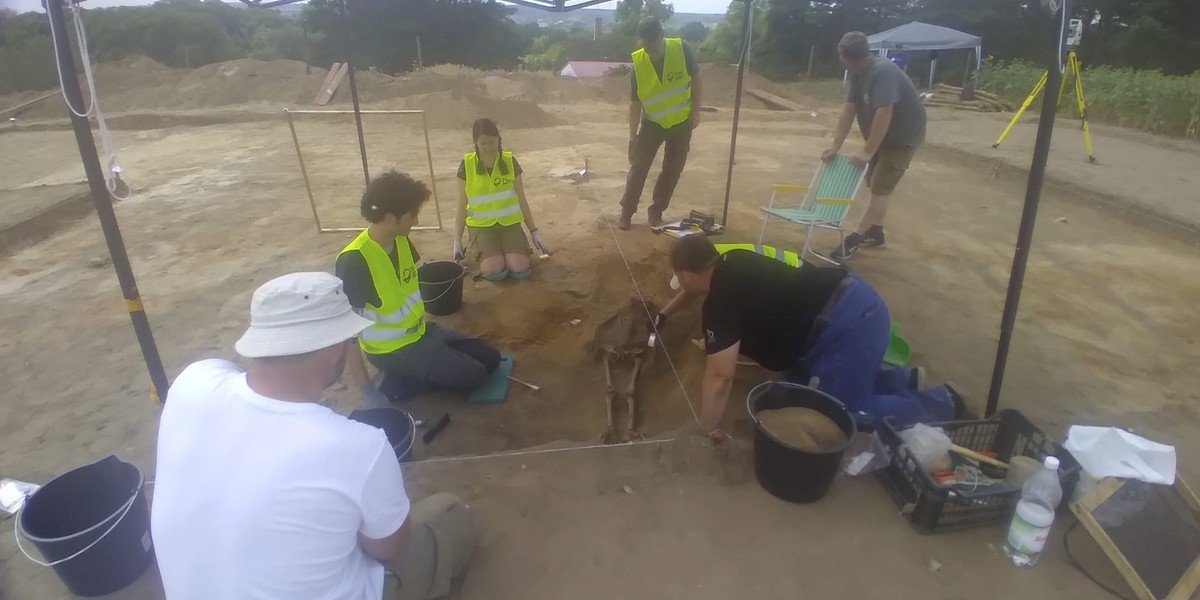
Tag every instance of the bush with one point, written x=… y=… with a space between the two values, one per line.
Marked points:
x=1146 y=100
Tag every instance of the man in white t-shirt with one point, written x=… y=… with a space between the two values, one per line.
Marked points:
x=264 y=493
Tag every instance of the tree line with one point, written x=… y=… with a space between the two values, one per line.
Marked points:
x=395 y=36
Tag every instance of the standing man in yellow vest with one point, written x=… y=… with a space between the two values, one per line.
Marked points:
x=663 y=108
x=379 y=274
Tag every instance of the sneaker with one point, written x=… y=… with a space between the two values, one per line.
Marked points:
x=916 y=378
x=848 y=248
x=654 y=217
x=873 y=238
x=960 y=406
x=625 y=222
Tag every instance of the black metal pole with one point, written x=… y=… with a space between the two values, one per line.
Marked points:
x=737 y=104
x=103 y=201
x=1033 y=193
x=362 y=142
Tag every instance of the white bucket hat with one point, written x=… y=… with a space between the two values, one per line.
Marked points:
x=299 y=313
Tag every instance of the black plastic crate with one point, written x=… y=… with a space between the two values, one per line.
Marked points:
x=932 y=508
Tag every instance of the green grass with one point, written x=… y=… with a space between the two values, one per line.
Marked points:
x=1147 y=100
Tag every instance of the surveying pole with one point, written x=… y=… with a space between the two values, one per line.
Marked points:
x=1073 y=71
x=102 y=198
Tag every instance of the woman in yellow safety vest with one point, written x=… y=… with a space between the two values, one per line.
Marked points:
x=492 y=207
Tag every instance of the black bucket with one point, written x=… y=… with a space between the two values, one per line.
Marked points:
x=441 y=286
x=788 y=472
x=397 y=425
x=92 y=525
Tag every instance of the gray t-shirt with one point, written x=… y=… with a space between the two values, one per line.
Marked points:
x=883 y=84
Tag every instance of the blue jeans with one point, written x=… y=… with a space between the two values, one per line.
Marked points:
x=847 y=355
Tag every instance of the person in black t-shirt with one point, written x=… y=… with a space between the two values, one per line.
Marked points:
x=806 y=322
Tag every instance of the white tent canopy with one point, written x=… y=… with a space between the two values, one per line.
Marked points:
x=917 y=37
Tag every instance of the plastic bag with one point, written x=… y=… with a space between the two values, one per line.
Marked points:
x=874 y=458
x=929 y=445
x=13 y=494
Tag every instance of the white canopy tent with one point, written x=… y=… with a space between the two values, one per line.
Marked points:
x=917 y=36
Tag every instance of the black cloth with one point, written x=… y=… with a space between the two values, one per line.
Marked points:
x=678 y=140
x=766 y=305
x=481 y=170
x=689 y=62
x=351 y=268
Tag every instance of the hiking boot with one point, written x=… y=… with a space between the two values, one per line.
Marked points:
x=848 y=248
x=625 y=222
x=873 y=238
x=654 y=217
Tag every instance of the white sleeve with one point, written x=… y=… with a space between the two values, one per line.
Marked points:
x=384 y=503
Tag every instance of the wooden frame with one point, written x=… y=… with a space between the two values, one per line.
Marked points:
x=304 y=170
x=1083 y=509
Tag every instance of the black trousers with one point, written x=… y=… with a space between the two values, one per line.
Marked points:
x=678 y=141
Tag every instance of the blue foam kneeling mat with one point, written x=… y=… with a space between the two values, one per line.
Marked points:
x=495 y=387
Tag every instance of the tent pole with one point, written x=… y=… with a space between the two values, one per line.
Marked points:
x=362 y=143
x=737 y=103
x=102 y=199
x=1033 y=192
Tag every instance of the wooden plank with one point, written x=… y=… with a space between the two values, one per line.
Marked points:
x=330 y=85
x=773 y=101
x=24 y=105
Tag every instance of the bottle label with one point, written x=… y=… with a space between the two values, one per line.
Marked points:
x=1026 y=538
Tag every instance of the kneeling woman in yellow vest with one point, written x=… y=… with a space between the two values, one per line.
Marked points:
x=492 y=206
x=379 y=275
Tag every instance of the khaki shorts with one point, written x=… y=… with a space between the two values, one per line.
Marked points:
x=887 y=168
x=498 y=240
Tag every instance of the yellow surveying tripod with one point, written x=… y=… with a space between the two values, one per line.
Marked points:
x=1073 y=72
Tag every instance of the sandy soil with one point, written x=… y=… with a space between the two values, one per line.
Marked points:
x=1107 y=335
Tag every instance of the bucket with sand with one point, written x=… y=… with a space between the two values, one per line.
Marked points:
x=800 y=435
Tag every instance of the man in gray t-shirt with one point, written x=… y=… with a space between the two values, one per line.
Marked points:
x=891 y=117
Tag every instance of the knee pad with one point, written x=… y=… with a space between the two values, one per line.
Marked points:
x=500 y=275
x=521 y=274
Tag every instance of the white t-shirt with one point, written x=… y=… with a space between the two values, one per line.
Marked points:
x=263 y=499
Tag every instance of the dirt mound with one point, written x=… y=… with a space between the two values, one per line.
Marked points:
x=459 y=110
x=803 y=428
x=244 y=81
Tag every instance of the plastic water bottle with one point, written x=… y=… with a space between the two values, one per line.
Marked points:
x=1031 y=523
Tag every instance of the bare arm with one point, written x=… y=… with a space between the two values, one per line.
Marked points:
x=679 y=300
x=879 y=128
x=635 y=119
x=845 y=120
x=356 y=367
x=714 y=390
x=461 y=221
x=519 y=183
x=388 y=548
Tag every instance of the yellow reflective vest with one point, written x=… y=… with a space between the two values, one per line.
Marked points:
x=399 y=318
x=787 y=257
x=666 y=101
x=492 y=196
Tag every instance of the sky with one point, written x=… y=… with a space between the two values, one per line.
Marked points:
x=683 y=6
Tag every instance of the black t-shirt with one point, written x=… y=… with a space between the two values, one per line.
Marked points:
x=481 y=170
x=351 y=268
x=766 y=305
x=689 y=61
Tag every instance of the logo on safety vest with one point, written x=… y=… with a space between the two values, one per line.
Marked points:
x=407 y=274
x=499 y=181
x=675 y=75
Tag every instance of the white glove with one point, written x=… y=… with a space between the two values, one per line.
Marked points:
x=458 y=249
x=539 y=244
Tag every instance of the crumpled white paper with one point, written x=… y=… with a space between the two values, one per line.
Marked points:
x=13 y=494
x=1111 y=452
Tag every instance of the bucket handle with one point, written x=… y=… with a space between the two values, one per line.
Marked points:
x=17 y=529
x=412 y=439
x=814 y=382
x=446 y=283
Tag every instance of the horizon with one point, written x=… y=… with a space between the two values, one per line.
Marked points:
x=704 y=7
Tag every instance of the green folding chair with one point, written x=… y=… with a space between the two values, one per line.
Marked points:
x=825 y=205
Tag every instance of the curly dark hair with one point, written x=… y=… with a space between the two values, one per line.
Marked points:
x=392 y=192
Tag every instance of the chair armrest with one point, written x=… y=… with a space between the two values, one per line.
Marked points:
x=788 y=187
x=833 y=200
